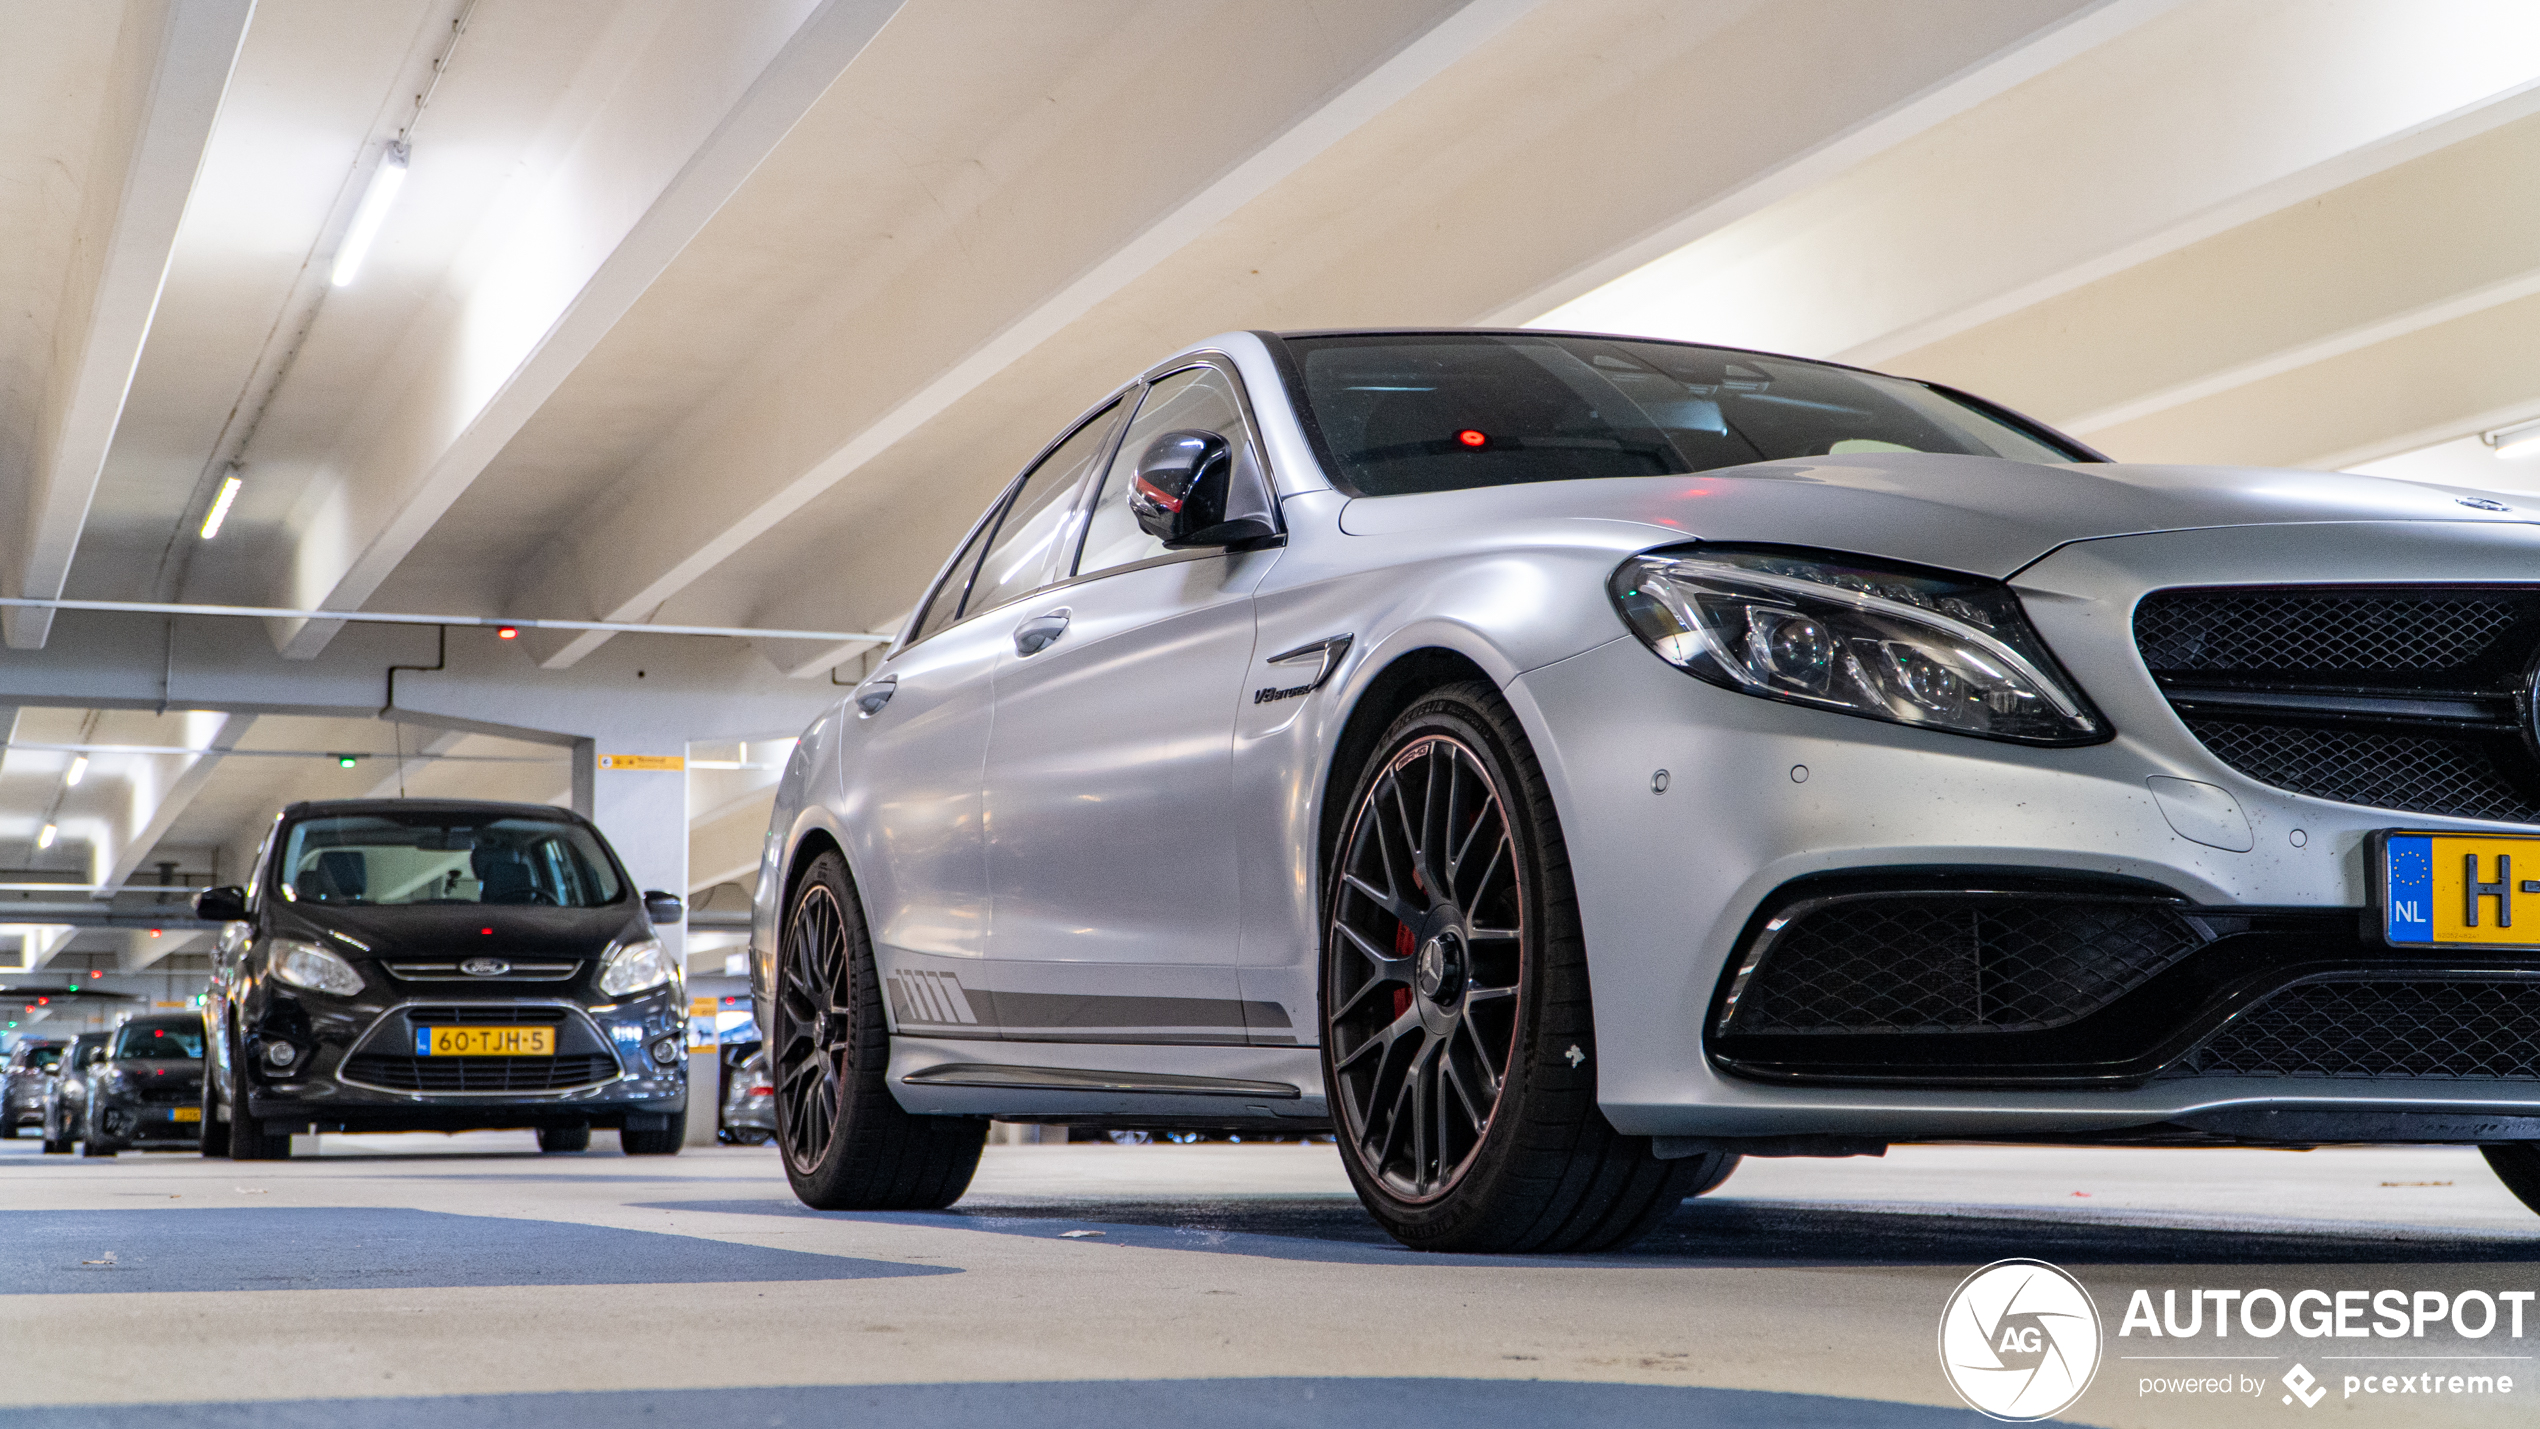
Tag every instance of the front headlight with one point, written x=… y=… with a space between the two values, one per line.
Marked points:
x=633 y=967
x=308 y=965
x=1845 y=634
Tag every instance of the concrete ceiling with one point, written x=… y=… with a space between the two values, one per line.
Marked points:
x=736 y=314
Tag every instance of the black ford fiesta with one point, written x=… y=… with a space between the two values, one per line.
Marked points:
x=430 y=965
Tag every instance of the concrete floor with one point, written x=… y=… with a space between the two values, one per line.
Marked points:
x=396 y=1281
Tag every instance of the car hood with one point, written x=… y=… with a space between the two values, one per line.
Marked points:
x=1981 y=515
x=461 y=929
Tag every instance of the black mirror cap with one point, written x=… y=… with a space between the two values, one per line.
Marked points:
x=663 y=907
x=1188 y=493
x=221 y=905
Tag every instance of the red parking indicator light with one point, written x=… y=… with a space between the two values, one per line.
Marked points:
x=1471 y=438
x=507 y=632
x=154 y=932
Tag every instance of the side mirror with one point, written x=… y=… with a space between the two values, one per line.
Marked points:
x=95 y=1055
x=663 y=907
x=221 y=905
x=1186 y=494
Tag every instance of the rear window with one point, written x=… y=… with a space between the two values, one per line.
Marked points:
x=44 y=1059
x=1402 y=413
x=174 y=1041
x=445 y=856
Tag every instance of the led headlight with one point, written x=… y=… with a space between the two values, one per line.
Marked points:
x=310 y=966
x=1845 y=634
x=633 y=967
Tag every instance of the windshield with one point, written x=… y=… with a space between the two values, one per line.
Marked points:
x=445 y=856
x=1407 y=412
x=174 y=1041
x=44 y=1059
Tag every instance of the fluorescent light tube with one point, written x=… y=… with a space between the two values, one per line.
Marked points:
x=79 y=771
x=45 y=839
x=373 y=212
x=2523 y=440
x=220 y=504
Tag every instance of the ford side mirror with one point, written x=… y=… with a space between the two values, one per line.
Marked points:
x=663 y=907
x=1188 y=492
x=221 y=905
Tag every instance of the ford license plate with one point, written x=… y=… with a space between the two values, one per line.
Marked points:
x=487 y=1041
x=2471 y=891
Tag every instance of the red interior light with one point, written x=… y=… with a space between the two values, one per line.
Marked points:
x=488 y=932
x=1471 y=438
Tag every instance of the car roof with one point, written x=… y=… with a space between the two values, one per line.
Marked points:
x=495 y=808
x=1569 y=332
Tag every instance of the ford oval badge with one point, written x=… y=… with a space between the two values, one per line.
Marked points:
x=485 y=967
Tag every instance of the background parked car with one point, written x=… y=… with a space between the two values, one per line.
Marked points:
x=148 y=1091
x=22 y=1082
x=442 y=965
x=749 y=1104
x=66 y=1093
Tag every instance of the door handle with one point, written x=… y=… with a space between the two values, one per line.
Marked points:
x=1039 y=633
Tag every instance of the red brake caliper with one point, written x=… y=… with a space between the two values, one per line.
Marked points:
x=1401 y=949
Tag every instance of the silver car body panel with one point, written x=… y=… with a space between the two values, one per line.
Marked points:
x=1513 y=580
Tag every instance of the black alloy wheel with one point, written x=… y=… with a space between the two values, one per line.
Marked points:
x=846 y=1142
x=1458 y=1046
x=1426 y=931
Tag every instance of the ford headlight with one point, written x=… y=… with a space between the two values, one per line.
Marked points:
x=1844 y=634
x=308 y=965
x=636 y=966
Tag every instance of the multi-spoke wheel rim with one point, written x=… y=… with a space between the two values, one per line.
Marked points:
x=1425 y=949
x=811 y=1028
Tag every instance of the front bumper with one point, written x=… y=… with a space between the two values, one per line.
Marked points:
x=1763 y=797
x=355 y=1065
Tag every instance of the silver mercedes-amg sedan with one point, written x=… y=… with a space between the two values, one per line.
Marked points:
x=1561 y=765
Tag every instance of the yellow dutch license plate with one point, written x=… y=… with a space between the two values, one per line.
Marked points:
x=487 y=1041
x=2460 y=891
x=186 y=1113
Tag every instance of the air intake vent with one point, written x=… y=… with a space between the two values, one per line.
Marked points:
x=1951 y=962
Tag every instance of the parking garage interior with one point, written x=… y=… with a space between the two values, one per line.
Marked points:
x=567 y=402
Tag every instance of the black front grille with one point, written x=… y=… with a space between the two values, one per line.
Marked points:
x=490 y=1015
x=2381 y=1029
x=478 y=1074
x=1946 y=963
x=2461 y=775
x=2408 y=698
x=185 y=1093
x=2311 y=633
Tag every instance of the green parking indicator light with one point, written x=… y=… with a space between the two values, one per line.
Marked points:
x=347 y=760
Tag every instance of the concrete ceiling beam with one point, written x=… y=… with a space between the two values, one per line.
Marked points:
x=2196 y=121
x=170 y=70
x=2412 y=247
x=688 y=115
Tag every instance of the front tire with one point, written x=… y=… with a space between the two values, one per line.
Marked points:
x=2517 y=1164
x=247 y=1138
x=1458 y=1046
x=663 y=1141
x=554 y=1139
x=847 y=1143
